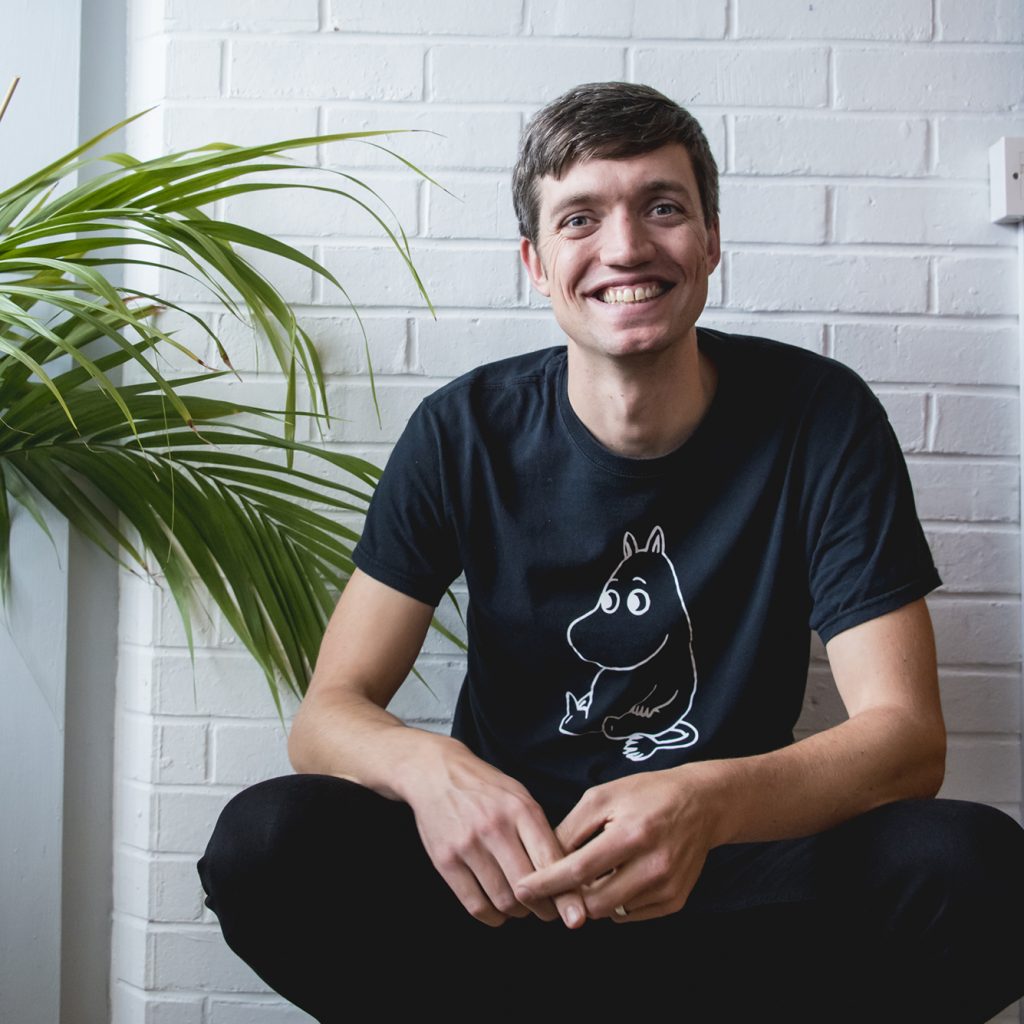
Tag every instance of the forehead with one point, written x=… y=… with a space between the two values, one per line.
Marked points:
x=608 y=180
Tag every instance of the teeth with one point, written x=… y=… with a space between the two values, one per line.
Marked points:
x=617 y=295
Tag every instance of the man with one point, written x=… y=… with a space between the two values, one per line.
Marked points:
x=648 y=521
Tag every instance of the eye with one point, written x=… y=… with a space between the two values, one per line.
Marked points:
x=609 y=601
x=665 y=209
x=638 y=601
x=576 y=221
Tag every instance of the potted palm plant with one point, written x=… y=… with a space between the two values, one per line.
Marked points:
x=166 y=480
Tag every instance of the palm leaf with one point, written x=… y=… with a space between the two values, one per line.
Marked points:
x=165 y=480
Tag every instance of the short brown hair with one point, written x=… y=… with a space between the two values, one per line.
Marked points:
x=606 y=120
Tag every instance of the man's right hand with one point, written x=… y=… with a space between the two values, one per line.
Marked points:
x=483 y=832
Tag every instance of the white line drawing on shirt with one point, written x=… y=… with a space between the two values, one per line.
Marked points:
x=640 y=637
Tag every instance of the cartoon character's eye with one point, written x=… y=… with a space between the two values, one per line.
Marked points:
x=638 y=601
x=609 y=602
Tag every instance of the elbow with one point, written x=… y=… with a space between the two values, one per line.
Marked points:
x=932 y=761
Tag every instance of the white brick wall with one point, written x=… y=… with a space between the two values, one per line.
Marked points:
x=852 y=139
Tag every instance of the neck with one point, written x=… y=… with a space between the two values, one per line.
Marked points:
x=642 y=406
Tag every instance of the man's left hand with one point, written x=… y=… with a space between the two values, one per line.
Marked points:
x=648 y=837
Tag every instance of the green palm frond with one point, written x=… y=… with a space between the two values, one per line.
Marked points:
x=198 y=497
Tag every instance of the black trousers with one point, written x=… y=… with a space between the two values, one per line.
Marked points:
x=912 y=912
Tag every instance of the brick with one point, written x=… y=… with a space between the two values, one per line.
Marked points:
x=192 y=69
x=754 y=212
x=179 y=752
x=928 y=353
x=133 y=813
x=509 y=73
x=135 y=747
x=860 y=284
x=978 y=561
x=131 y=883
x=802 y=333
x=737 y=76
x=224 y=683
x=130 y=952
x=668 y=19
x=933 y=78
x=906 y=414
x=255 y=16
x=183 y=819
x=300 y=211
x=324 y=68
x=976 y=424
x=338 y=340
x=826 y=144
x=980 y=21
x=450 y=346
x=245 y=754
x=833 y=19
x=948 y=489
x=149 y=610
x=980 y=701
x=976 y=285
x=342 y=347
x=567 y=18
x=196 y=957
x=473 y=209
x=351 y=406
x=134 y=1006
x=221 y=1011
x=983 y=769
x=460 y=278
x=196 y=125
x=440 y=17
x=977 y=632
x=175 y=892
x=431 y=699
x=928 y=215
x=963 y=144
x=428 y=137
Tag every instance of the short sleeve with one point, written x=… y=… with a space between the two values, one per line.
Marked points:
x=408 y=540
x=867 y=553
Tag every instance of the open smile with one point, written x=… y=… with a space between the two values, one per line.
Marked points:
x=631 y=295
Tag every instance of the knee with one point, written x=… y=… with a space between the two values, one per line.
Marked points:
x=268 y=835
x=961 y=859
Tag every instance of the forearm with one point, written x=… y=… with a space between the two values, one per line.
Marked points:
x=880 y=755
x=351 y=737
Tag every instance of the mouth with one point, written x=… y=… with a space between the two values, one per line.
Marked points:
x=631 y=295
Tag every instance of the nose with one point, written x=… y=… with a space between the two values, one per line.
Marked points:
x=625 y=241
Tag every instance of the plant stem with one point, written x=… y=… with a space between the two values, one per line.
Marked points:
x=7 y=98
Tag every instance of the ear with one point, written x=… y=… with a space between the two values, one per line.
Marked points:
x=714 y=248
x=534 y=267
x=628 y=545
x=656 y=541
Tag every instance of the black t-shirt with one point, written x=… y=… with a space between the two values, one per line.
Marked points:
x=634 y=614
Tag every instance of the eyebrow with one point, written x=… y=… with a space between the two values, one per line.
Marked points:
x=664 y=185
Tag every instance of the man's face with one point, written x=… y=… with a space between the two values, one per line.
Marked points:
x=623 y=252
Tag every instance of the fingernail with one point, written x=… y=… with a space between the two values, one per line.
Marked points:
x=573 y=916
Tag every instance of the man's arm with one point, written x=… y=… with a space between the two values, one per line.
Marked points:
x=481 y=829
x=655 y=829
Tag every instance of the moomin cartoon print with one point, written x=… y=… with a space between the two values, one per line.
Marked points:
x=639 y=636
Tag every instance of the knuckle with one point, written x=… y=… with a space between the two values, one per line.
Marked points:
x=507 y=903
x=660 y=865
x=483 y=910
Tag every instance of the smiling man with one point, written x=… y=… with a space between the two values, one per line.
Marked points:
x=650 y=519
